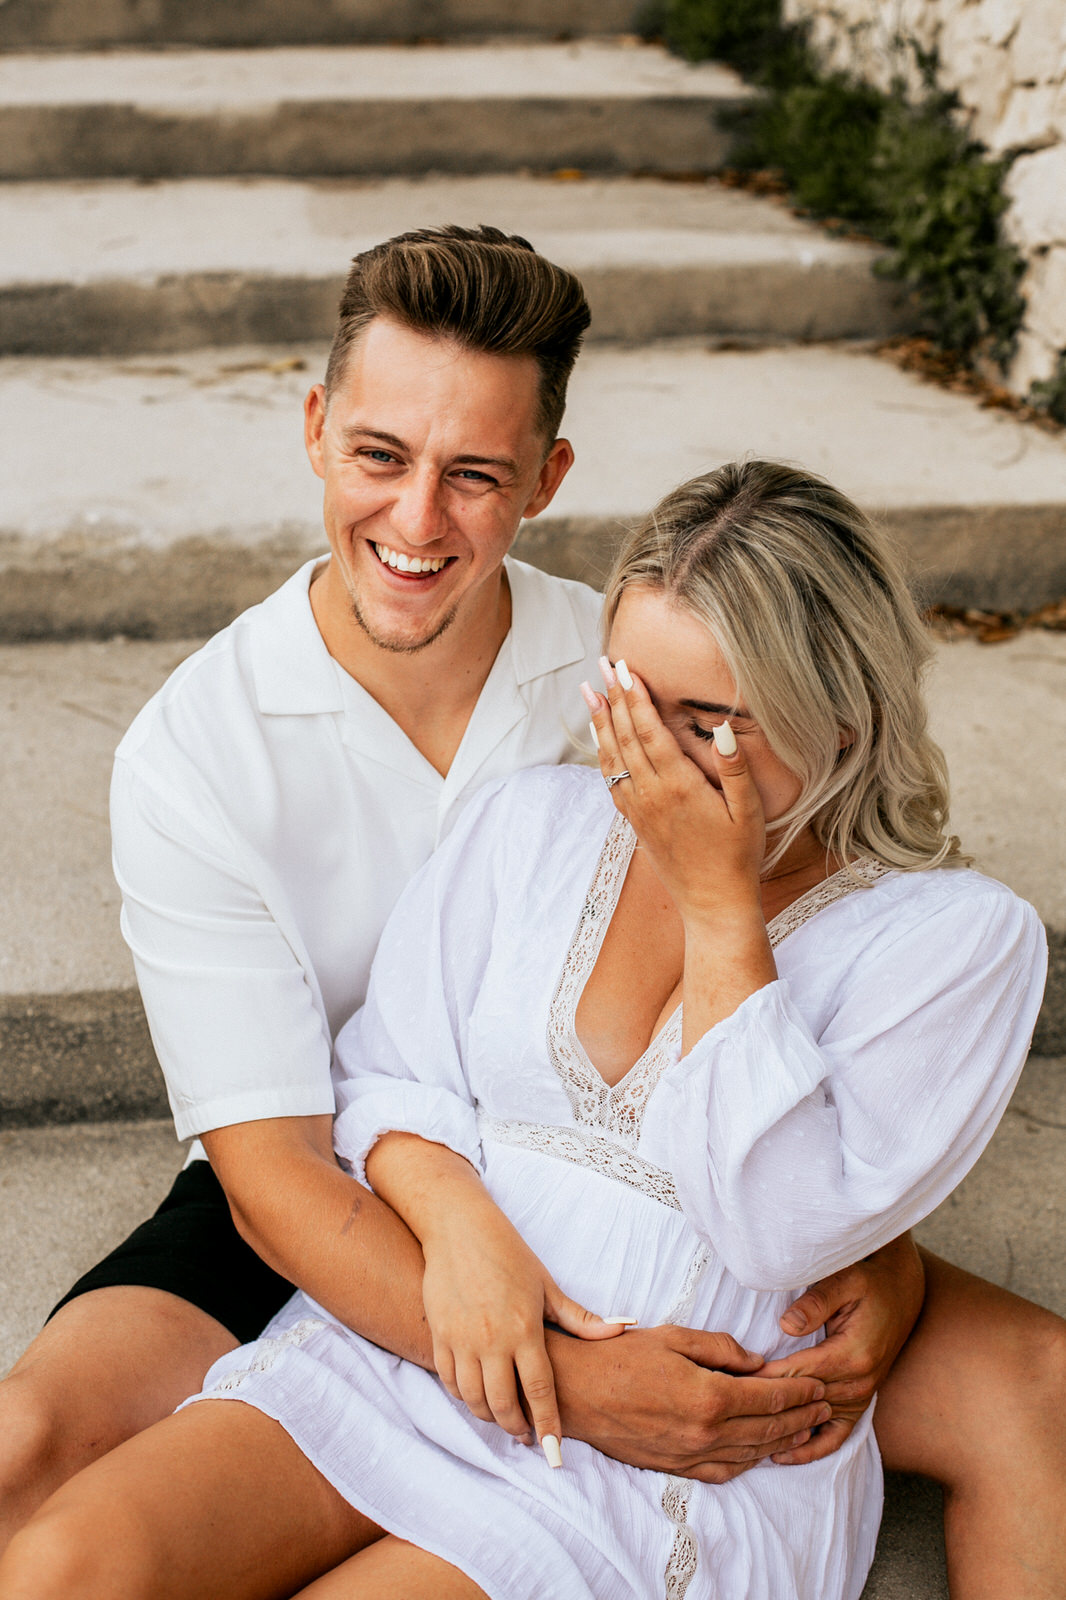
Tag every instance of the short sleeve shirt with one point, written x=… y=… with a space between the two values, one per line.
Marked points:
x=267 y=812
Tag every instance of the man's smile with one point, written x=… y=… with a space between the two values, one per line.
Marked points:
x=410 y=566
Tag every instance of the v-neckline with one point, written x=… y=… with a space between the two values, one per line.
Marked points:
x=619 y=1107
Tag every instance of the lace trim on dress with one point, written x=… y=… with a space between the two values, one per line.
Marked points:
x=267 y=1352
x=618 y=1111
x=584 y=1149
x=684 y=1555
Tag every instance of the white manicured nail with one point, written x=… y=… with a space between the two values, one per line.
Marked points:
x=608 y=672
x=725 y=740
x=552 y=1450
x=625 y=677
x=595 y=735
x=621 y=1322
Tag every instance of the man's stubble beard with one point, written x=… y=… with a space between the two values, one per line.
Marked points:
x=401 y=647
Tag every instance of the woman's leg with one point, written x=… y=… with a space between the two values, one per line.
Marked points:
x=393 y=1570
x=217 y=1500
x=977 y=1400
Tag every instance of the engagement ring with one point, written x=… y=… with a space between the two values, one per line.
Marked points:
x=615 y=777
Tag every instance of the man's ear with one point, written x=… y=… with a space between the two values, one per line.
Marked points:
x=557 y=464
x=314 y=423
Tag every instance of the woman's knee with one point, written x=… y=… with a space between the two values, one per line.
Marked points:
x=72 y=1553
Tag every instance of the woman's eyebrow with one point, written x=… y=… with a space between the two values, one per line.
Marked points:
x=716 y=709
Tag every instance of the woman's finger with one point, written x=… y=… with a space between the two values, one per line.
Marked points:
x=471 y=1386
x=602 y=728
x=620 y=684
x=501 y=1395
x=538 y=1385
x=573 y=1318
x=661 y=747
x=738 y=789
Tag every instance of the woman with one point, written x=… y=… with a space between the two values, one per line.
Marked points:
x=770 y=851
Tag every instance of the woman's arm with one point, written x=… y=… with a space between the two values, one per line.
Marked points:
x=486 y=1294
x=795 y=1155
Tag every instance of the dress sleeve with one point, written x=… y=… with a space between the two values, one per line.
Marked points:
x=233 y=1017
x=796 y=1156
x=398 y=1064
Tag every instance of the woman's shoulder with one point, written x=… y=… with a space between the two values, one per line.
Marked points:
x=949 y=909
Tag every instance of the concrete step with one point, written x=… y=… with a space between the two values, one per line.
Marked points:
x=158 y=497
x=72 y=1035
x=114 y=268
x=363 y=110
x=69 y=1194
x=88 y=24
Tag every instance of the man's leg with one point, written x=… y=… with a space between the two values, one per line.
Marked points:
x=107 y=1365
x=215 y=1501
x=977 y=1400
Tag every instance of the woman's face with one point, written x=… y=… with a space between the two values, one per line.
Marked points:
x=693 y=689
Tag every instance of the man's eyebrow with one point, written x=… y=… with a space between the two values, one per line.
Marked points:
x=357 y=431
x=716 y=709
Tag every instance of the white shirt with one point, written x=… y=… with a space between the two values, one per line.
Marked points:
x=266 y=813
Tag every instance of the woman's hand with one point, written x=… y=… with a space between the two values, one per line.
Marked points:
x=486 y=1295
x=706 y=843
x=487 y=1298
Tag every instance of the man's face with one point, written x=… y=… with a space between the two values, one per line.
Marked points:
x=430 y=459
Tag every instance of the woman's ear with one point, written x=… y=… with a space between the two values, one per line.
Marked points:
x=845 y=738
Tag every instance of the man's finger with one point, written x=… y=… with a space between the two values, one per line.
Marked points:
x=719 y=1351
x=814 y=1308
x=825 y=1442
x=766 y=1397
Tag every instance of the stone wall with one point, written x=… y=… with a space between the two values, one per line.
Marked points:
x=1006 y=61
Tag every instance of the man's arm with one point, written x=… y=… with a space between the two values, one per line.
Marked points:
x=660 y=1398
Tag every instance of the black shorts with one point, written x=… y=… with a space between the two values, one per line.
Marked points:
x=192 y=1249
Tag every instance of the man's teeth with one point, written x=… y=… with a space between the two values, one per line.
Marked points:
x=402 y=563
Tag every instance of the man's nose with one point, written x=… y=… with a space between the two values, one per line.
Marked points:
x=417 y=512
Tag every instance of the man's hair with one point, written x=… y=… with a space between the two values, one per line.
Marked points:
x=488 y=290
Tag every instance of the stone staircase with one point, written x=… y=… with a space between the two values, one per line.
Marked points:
x=181 y=187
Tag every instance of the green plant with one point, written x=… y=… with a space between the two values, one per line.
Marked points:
x=942 y=205
x=1049 y=395
x=902 y=172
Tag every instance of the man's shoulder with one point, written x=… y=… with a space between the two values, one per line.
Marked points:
x=217 y=686
x=547 y=590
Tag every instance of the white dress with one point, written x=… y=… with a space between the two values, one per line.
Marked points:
x=832 y=1110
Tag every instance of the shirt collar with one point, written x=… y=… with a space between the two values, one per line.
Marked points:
x=296 y=675
x=294 y=672
x=546 y=633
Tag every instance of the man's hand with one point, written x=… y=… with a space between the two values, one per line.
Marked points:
x=868 y=1311
x=681 y=1401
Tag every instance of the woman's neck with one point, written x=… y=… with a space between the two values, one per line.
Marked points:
x=805 y=863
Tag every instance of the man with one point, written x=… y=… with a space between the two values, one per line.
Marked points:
x=268 y=806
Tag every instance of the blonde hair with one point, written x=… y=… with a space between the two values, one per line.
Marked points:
x=810 y=609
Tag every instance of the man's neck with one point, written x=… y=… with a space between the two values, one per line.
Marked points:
x=429 y=693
